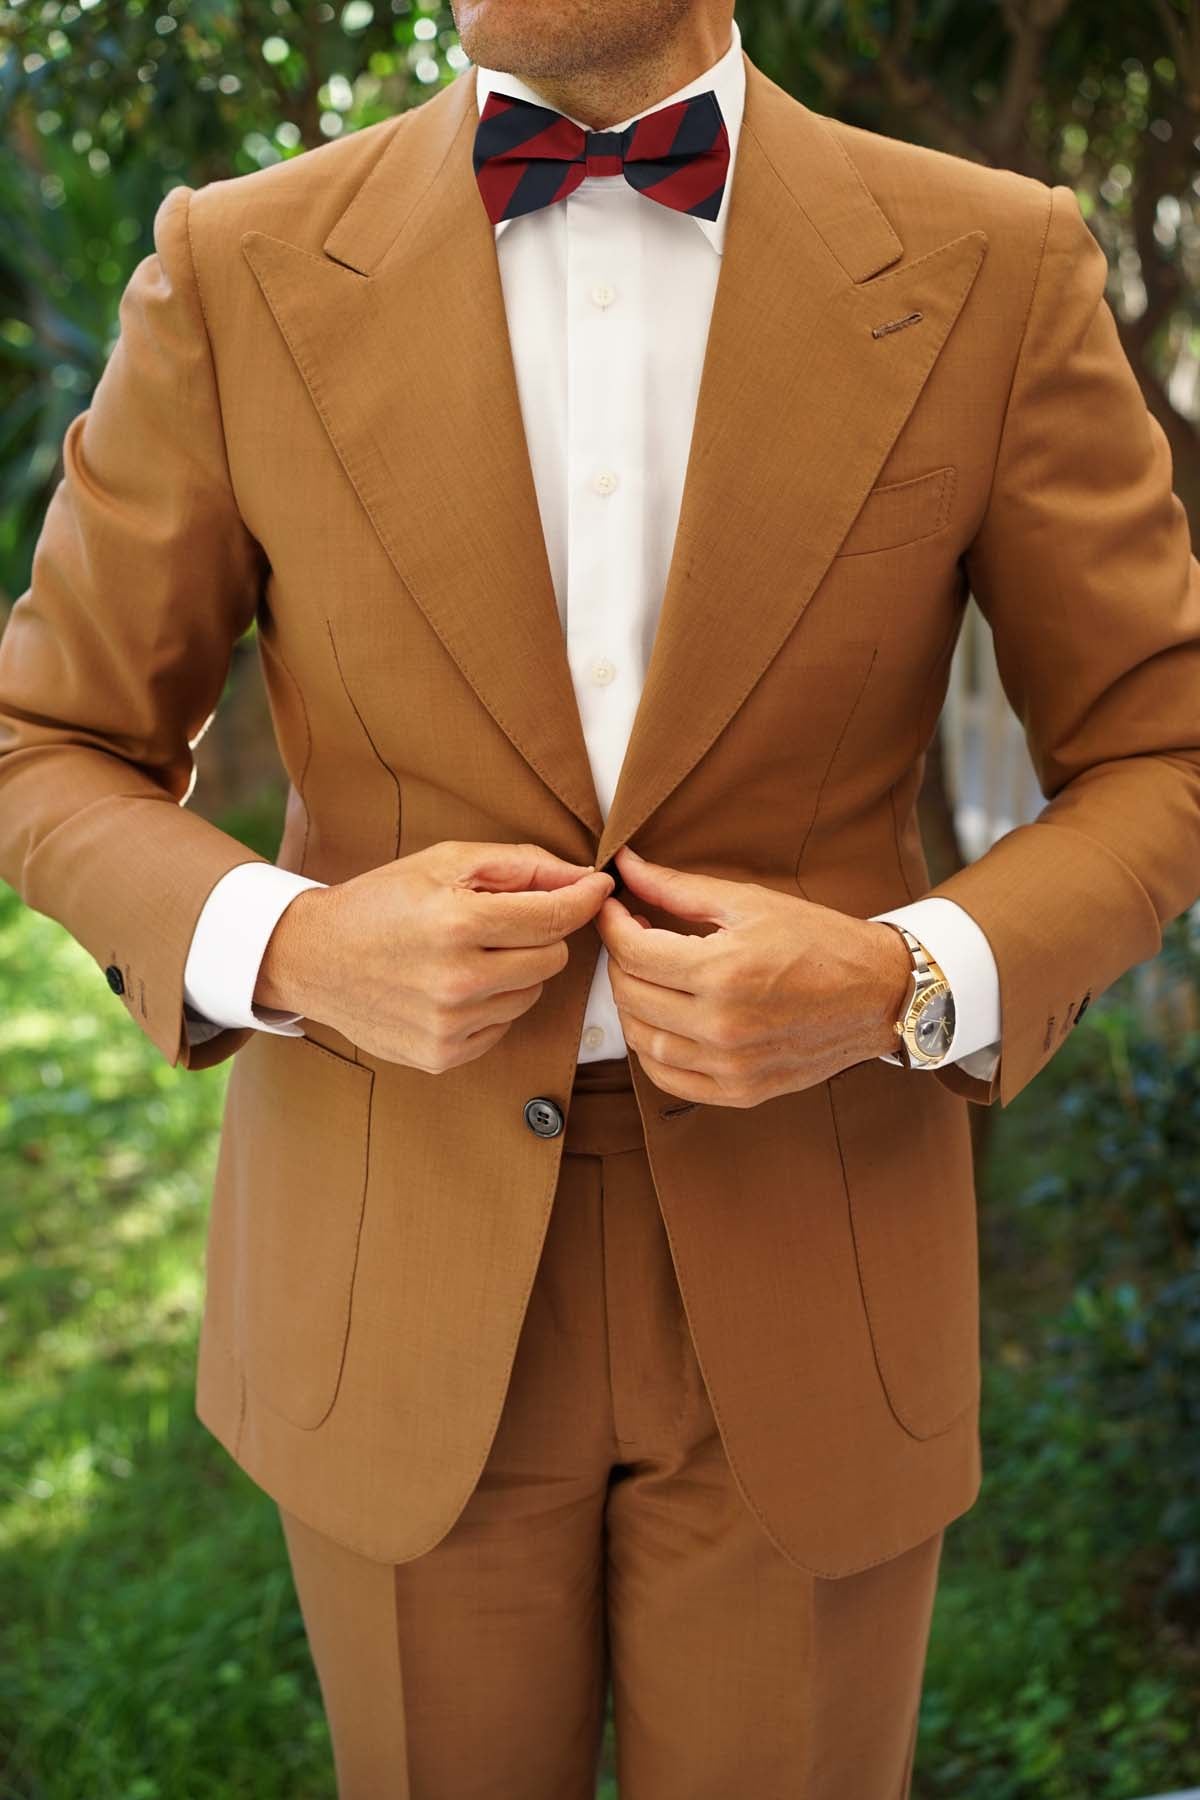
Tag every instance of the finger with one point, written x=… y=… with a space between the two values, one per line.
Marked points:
x=671 y=958
x=673 y=1049
x=500 y=920
x=653 y=1004
x=505 y=968
x=678 y=891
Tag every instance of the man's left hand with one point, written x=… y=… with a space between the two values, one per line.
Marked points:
x=781 y=995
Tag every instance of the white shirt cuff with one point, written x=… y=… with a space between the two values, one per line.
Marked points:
x=960 y=948
x=227 y=949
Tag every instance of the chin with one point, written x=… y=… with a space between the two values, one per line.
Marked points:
x=538 y=37
x=514 y=35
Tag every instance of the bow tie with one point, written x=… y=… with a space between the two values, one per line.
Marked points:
x=527 y=156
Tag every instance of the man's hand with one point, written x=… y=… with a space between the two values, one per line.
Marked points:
x=428 y=960
x=780 y=996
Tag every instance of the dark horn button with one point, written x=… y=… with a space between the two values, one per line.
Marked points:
x=543 y=1117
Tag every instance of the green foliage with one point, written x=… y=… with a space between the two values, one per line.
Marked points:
x=1065 y=1657
x=65 y=266
x=1131 y=1336
x=103 y=109
x=1047 y=1678
x=208 y=84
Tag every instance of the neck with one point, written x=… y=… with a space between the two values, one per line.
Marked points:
x=600 y=97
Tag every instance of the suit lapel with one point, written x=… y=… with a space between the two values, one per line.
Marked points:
x=400 y=333
x=798 y=407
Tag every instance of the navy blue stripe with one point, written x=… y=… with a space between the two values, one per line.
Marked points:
x=643 y=175
x=537 y=187
x=698 y=127
x=606 y=143
x=507 y=131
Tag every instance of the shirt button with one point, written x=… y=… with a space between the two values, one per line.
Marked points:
x=593 y=1037
x=604 y=482
x=603 y=671
x=603 y=294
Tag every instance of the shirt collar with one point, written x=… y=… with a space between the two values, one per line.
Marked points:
x=726 y=77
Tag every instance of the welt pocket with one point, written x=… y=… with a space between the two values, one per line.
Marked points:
x=901 y=512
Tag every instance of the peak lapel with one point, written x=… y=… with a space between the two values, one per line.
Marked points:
x=399 y=332
x=797 y=409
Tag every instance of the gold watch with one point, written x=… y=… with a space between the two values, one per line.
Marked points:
x=925 y=1027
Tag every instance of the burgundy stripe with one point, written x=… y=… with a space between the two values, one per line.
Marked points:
x=654 y=134
x=683 y=187
x=497 y=181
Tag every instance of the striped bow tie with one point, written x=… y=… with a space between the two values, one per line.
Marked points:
x=527 y=156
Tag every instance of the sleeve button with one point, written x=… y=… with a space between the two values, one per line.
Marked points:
x=114 y=978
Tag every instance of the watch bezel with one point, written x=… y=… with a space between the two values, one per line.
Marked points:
x=926 y=994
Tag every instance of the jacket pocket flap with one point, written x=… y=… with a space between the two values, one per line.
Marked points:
x=901 y=512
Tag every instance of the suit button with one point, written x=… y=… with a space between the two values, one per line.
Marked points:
x=543 y=1116
x=114 y=978
x=1083 y=1006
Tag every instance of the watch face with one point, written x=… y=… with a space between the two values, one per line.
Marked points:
x=934 y=1028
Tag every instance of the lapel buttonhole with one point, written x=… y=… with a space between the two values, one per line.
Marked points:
x=896 y=324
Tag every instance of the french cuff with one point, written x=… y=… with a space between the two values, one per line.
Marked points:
x=227 y=949
x=959 y=946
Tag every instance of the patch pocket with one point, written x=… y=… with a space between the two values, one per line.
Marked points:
x=298 y=1140
x=905 y=1145
x=901 y=512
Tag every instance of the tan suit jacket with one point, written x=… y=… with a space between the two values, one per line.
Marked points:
x=311 y=418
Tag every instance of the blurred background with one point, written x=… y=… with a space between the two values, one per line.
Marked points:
x=150 y=1644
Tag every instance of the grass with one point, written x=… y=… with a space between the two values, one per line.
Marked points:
x=150 y=1643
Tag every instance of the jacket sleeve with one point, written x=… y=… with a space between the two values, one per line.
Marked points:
x=1082 y=566
x=112 y=662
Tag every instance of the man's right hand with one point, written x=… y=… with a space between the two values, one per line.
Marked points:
x=427 y=960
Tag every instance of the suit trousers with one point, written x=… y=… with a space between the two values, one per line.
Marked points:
x=607 y=1545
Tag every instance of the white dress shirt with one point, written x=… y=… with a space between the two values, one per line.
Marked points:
x=608 y=297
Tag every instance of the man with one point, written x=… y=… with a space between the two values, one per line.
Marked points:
x=607 y=448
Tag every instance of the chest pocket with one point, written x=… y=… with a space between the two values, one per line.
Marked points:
x=901 y=512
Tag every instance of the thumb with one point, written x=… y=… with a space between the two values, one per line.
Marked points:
x=677 y=891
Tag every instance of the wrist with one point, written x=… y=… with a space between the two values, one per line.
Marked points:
x=284 y=973
x=892 y=980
